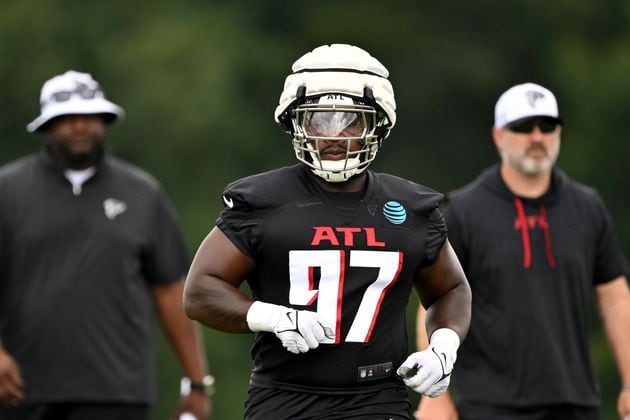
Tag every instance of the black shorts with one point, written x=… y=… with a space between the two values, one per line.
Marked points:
x=276 y=404
x=469 y=411
x=75 y=411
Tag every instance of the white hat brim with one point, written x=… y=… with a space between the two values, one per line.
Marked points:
x=75 y=106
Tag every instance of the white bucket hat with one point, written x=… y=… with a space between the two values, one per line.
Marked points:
x=524 y=101
x=73 y=93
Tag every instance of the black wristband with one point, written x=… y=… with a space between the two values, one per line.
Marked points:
x=197 y=386
x=206 y=387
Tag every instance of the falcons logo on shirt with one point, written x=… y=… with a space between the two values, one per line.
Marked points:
x=113 y=208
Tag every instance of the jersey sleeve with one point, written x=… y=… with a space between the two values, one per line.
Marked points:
x=239 y=221
x=436 y=236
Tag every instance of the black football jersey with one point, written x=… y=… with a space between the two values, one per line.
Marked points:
x=351 y=262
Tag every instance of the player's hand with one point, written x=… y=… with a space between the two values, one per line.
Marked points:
x=299 y=331
x=428 y=372
x=10 y=380
x=195 y=405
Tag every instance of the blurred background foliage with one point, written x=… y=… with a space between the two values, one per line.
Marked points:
x=200 y=80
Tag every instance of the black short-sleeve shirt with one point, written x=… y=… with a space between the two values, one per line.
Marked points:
x=532 y=265
x=75 y=271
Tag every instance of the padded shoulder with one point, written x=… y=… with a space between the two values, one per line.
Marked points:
x=420 y=199
x=268 y=189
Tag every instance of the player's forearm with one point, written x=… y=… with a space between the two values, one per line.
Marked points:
x=216 y=304
x=422 y=341
x=445 y=293
x=452 y=310
x=183 y=334
x=190 y=350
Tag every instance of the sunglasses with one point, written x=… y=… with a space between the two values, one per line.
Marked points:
x=545 y=124
x=81 y=90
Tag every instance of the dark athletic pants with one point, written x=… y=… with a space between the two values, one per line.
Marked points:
x=275 y=404
x=76 y=411
x=469 y=411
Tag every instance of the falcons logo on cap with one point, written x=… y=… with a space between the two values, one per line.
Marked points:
x=533 y=97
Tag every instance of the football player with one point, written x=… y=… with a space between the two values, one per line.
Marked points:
x=331 y=252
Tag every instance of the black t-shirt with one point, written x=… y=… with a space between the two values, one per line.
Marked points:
x=354 y=268
x=75 y=270
x=532 y=265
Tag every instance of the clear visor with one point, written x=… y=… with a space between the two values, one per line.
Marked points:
x=334 y=124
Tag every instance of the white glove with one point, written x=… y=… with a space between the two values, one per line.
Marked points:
x=299 y=331
x=429 y=372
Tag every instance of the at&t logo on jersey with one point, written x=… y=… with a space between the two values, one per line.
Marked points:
x=394 y=212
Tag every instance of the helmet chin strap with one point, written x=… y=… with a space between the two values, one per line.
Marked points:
x=335 y=170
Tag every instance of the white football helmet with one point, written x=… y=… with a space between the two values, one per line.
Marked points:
x=337 y=92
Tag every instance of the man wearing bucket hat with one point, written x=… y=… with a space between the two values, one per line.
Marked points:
x=89 y=246
x=331 y=252
x=538 y=249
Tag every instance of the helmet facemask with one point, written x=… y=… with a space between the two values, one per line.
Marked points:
x=335 y=136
